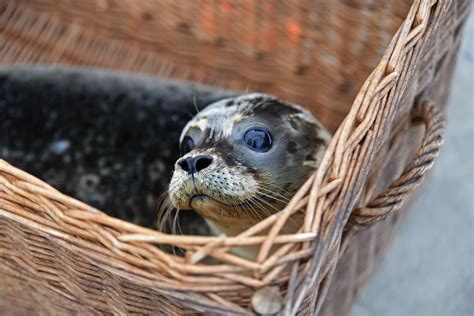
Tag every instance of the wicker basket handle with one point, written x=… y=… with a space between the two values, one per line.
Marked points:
x=392 y=199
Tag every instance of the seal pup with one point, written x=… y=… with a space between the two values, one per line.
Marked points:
x=243 y=158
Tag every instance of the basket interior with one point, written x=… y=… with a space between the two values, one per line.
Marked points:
x=106 y=138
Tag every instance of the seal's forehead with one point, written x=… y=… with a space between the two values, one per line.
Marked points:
x=254 y=104
x=220 y=116
x=217 y=118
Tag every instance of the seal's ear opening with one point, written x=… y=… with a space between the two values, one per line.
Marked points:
x=108 y=139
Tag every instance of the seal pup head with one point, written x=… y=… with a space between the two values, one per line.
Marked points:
x=243 y=158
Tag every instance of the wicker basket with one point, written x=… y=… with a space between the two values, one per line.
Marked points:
x=369 y=70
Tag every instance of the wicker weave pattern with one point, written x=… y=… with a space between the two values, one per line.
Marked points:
x=296 y=50
x=391 y=199
x=78 y=255
x=69 y=281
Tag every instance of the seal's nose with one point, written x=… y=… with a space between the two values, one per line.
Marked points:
x=195 y=164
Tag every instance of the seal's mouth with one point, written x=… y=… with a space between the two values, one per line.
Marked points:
x=203 y=198
x=211 y=208
x=197 y=199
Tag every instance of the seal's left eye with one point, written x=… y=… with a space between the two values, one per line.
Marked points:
x=187 y=145
x=258 y=139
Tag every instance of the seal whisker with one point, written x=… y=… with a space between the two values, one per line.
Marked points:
x=278 y=188
x=252 y=203
x=175 y=226
x=248 y=206
x=195 y=104
x=258 y=202
x=251 y=208
x=165 y=208
x=276 y=209
x=273 y=195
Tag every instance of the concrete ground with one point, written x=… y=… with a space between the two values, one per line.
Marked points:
x=430 y=268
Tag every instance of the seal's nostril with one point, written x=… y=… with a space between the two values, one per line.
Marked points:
x=187 y=164
x=195 y=164
x=202 y=162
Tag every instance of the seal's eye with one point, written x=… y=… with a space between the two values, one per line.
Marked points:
x=258 y=140
x=187 y=145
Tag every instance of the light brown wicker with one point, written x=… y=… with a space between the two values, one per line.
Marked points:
x=369 y=70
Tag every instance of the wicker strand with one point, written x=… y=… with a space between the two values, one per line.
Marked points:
x=392 y=199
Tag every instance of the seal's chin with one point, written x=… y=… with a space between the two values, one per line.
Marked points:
x=217 y=211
